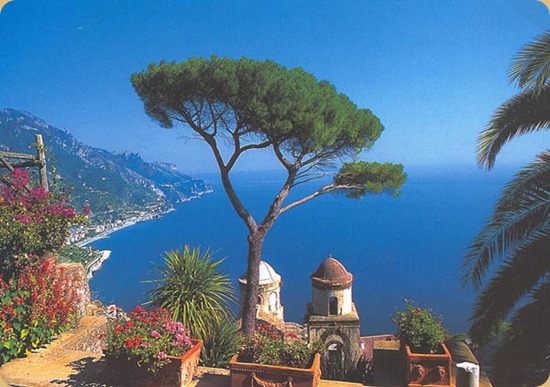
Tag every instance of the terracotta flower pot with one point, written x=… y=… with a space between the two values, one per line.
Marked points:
x=426 y=370
x=179 y=372
x=260 y=375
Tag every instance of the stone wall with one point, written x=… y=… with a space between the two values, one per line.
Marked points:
x=78 y=279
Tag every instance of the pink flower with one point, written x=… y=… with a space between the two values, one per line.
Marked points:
x=155 y=334
x=162 y=356
x=23 y=218
x=39 y=194
x=86 y=210
x=19 y=178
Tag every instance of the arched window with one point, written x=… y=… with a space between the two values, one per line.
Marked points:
x=335 y=354
x=332 y=306
x=259 y=300
x=272 y=301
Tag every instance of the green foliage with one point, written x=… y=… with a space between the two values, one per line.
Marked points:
x=365 y=177
x=197 y=294
x=270 y=101
x=34 y=307
x=147 y=338
x=268 y=347
x=346 y=369
x=220 y=344
x=419 y=328
x=531 y=66
x=75 y=253
x=518 y=232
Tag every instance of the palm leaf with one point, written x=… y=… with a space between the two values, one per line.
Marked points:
x=531 y=65
x=525 y=353
x=523 y=113
x=522 y=211
x=521 y=272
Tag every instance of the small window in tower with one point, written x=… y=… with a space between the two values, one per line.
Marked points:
x=332 y=306
x=259 y=300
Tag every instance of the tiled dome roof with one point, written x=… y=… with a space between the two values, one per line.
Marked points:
x=267 y=275
x=332 y=272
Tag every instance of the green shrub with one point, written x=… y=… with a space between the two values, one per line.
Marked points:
x=419 y=328
x=268 y=347
x=199 y=296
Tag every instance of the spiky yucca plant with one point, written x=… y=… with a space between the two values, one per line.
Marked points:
x=199 y=296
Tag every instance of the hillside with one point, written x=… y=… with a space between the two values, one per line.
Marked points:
x=111 y=184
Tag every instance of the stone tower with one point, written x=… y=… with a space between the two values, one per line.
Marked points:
x=269 y=295
x=332 y=316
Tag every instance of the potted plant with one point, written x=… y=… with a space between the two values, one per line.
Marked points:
x=273 y=359
x=422 y=336
x=148 y=348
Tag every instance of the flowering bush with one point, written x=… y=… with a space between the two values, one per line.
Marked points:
x=268 y=346
x=37 y=305
x=419 y=328
x=32 y=223
x=147 y=338
x=37 y=300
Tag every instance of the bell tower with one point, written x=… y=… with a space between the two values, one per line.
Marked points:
x=270 y=308
x=332 y=316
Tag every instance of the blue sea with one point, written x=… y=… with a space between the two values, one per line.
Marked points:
x=396 y=248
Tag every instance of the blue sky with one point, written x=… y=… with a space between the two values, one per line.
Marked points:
x=433 y=70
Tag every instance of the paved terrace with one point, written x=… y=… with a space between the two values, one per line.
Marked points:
x=75 y=359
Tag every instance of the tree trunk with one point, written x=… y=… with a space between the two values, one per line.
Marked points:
x=255 y=244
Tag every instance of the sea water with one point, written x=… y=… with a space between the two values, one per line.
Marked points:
x=410 y=247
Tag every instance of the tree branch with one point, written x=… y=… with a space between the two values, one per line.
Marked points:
x=275 y=207
x=321 y=191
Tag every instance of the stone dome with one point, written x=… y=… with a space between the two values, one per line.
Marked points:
x=332 y=272
x=267 y=275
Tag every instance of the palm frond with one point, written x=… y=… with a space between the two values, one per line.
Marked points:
x=531 y=65
x=526 y=267
x=521 y=114
x=524 y=354
x=522 y=211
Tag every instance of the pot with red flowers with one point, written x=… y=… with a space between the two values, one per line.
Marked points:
x=271 y=358
x=148 y=348
x=426 y=357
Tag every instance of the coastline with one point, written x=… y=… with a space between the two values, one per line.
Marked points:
x=95 y=265
x=105 y=234
x=135 y=220
x=103 y=255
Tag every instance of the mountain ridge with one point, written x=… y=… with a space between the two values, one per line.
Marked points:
x=110 y=183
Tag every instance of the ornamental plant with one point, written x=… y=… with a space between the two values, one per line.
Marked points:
x=33 y=222
x=419 y=328
x=147 y=338
x=270 y=346
x=34 y=307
